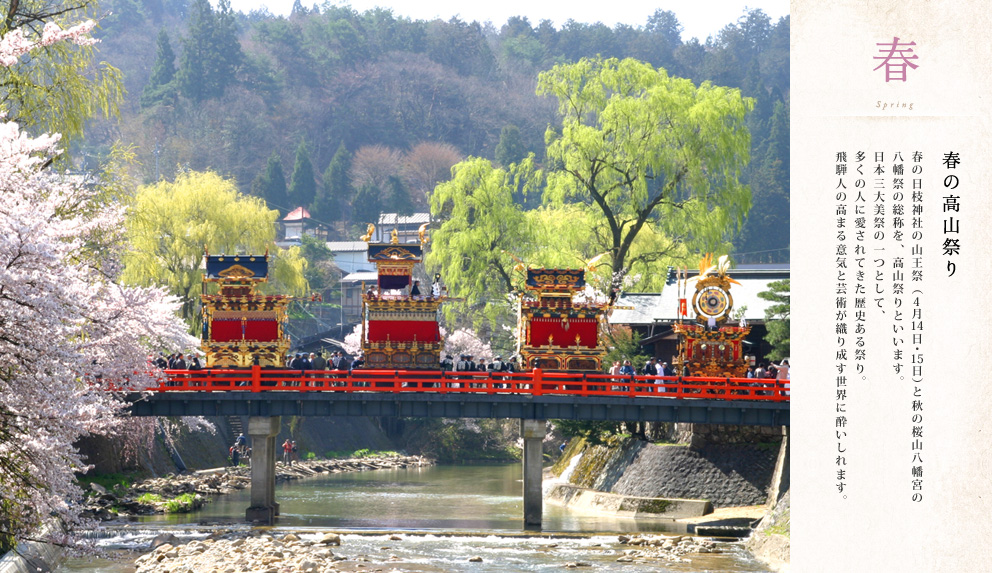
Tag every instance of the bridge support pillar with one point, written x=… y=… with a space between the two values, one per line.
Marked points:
x=263 y=431
x=533 y=432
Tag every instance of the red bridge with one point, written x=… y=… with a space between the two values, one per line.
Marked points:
x=532 y=383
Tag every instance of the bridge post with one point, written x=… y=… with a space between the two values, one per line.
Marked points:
x=263 y=431
x=533 y=432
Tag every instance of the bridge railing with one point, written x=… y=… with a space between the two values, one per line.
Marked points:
x=536 y=383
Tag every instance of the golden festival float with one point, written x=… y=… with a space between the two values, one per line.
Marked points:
x=555 y=331
x=241 y=327
x=400 y=329
x=710 y=346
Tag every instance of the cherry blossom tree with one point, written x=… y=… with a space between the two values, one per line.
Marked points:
x=69 y=331
x=352 y=343
x=465 y=341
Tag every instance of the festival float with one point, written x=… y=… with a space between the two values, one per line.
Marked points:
x=400 y=329
x=709 y=345
x=241 y=327
x=555 y=331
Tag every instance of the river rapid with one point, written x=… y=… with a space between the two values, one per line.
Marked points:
x=429 y=519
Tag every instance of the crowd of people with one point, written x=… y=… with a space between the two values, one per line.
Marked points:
x=468 y=363
x=178 y=361
x=316 y=361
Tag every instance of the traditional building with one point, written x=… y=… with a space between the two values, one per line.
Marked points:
x=406 y=227
x=555 y=331
x=653 y=316
x=241 y=327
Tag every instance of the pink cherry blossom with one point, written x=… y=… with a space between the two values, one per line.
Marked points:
x=69 y=331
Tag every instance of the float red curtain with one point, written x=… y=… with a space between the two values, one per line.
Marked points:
x=263 y=330
x=542 y=328
x=230 y=330
x=225 y=330
x=403 y=330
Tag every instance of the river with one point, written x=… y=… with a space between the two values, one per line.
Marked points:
x=445 y=513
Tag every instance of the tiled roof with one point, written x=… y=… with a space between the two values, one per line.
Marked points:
x=360 y=276
x=347 y=246
x=394 y=219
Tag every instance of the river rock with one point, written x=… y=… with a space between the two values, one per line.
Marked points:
x=164 y=538
x=330 y=539
x=475 y=559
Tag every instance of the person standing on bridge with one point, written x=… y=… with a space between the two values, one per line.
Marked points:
x=627 y=369
x=782 y=376
x=317 y=361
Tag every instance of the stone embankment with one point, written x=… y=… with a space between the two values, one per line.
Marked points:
x=312 y=553
x=187 y=492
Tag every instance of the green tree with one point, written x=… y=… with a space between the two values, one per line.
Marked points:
x=482 y=236
x=511 y=147
x=367 y=205
x=766 y=234
x=270 y=185
x=398 y=199
x=302 y=185
x=211 y=53
x=335 y=191
x=777 y=318
x=161 y=84
x=58 y=87
x=647 y=150
x=320 y=272
x=170 y=223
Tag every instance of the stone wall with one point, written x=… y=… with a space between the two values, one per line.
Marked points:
x=726 y=465
x=726 y=475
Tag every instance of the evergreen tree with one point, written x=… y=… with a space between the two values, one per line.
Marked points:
x=161 y=84
x=336 y=190
x=511 y=146
x=398 y=200
x=211 y=52
x=367 y=205
x=228 y=55
x=777 y=318
x=271 y=185
x=192 y=74
x=302 y=186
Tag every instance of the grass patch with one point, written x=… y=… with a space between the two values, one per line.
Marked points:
x=149 y=498
x=184 y=503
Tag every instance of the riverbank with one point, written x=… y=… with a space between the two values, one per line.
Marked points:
x=183 y=493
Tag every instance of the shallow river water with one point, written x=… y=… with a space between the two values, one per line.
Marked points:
x=445 y=515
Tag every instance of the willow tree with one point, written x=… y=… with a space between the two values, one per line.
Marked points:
x=170 y=223
x=59 y=87
x=481 y=234
x=647 y=152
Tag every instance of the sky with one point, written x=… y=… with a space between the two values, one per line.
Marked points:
x=699 y=18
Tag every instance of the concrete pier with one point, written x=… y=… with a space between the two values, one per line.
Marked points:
x=533 y=432
x=263 y=431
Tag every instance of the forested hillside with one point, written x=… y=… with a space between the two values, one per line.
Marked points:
x=330 y=104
